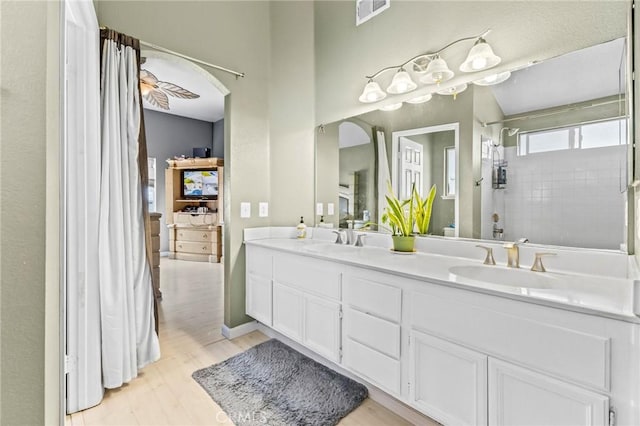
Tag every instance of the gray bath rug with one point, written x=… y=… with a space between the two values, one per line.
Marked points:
x=272 y=384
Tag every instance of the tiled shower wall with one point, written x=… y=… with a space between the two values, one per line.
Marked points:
x=570 y=197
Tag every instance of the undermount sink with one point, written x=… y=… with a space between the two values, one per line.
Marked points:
x=329 y=248
x=502 y=276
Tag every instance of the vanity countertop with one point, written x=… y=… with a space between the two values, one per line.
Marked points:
x=595 y=295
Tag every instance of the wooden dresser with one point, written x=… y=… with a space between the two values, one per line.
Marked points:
x=193 y=235
x=195 y=242
x=155 y=248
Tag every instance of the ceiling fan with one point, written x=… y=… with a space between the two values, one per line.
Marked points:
x=156 y=91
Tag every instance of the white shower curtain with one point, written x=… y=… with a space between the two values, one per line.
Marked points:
x=129 y=340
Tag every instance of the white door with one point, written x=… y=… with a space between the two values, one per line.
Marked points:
x=322 y=327
x=258 y=298
x=448 y=382
x=288 y=304
x=518 y=396
x=411 y=167
x=80 y=200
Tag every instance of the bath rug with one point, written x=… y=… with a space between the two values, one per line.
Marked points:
x=272 y=384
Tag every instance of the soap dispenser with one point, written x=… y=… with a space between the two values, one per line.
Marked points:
x=301 y=229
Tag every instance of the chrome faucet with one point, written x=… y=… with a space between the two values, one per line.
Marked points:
x=360 y=240
x=339 y=237
x=513 y=252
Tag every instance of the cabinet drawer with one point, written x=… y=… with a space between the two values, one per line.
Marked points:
x=527 y=341
x=155 y=227
x=203 y=235
x=373 y=366
x=155 y=243
x=195 y=219
x=375 y=298
x=310 y=275
x=379 y=334
x=195 y=248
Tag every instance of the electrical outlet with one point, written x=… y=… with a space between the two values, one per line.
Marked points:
x=245 y=210
x=330 y=211
x=263 y=209
x=319 y=209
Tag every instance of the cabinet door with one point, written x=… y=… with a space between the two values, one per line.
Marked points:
x=288 y=304
x=518 y=396
x=448 y=382
x=258 y=299
x=322 y=327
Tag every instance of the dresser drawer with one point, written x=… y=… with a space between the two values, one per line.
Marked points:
x=376 y=333
x=155 y=243
x=373 y=297
x=195 y=219
x=155 y=227
x=194 y=247
x=204 y=235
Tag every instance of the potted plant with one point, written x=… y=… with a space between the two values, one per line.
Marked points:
x=400 y=216
x=423 y=209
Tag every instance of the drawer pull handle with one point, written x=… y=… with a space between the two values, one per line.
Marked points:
x=204 y=236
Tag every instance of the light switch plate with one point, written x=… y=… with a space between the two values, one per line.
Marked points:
x=245 y=210
x=330 y=209
x=263 y=209
x=319 y=209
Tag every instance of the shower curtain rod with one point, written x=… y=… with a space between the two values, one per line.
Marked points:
x=546 y=114
x=189 y=58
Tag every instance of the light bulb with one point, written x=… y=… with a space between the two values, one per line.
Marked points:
x=479 y=63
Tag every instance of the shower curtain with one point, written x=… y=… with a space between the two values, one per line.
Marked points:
x=129 y=339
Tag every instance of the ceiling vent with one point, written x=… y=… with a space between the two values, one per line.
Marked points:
x=367 y=9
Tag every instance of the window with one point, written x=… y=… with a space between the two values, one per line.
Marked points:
x=583 y=136
x=449 y=172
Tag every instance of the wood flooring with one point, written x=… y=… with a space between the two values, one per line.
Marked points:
x=191 y=315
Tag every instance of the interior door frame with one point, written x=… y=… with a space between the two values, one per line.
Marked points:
x=395 y=159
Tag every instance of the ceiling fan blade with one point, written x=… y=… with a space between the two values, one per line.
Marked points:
x=158 y=99
x=176 y=91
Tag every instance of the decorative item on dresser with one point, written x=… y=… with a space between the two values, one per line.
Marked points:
x=155 y=246
x=194 y=209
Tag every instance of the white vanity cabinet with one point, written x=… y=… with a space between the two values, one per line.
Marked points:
x=259 y=288
x=306 y=302
x=458 y=355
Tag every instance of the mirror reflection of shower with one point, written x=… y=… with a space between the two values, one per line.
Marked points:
x=499 y=171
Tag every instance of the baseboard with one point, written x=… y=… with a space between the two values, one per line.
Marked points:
x=241 y=330
x=376 y=394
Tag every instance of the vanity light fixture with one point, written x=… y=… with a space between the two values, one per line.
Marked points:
x=420 y=99
x=481 y=57
x=372 y=93
x=493 y=79
x=391 y=107
x=454 y=91
x=434 y=68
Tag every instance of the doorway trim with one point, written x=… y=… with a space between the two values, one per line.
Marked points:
x=395 y=158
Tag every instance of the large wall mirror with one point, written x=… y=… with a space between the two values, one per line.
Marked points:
x=539 y=152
